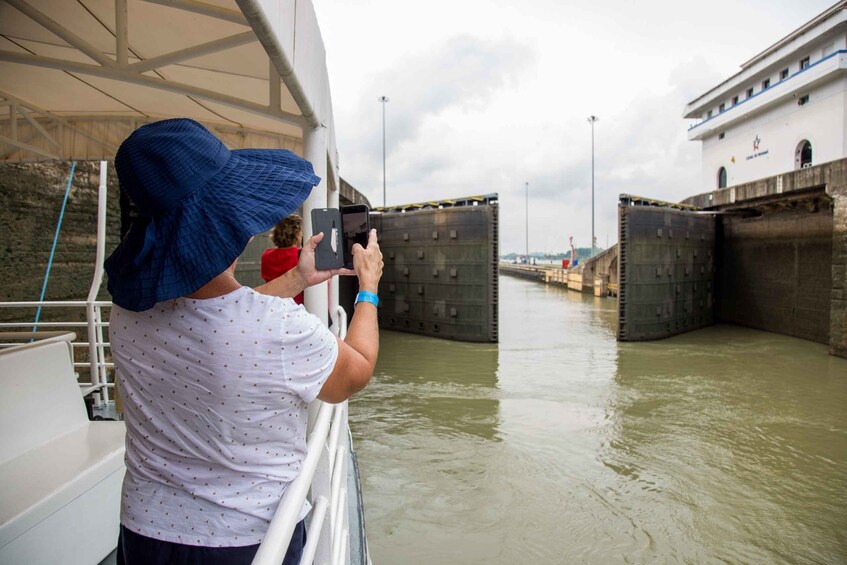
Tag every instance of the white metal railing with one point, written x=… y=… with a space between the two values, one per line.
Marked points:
x=324 y=474
x=97 y=366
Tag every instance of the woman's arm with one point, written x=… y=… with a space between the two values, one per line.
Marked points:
x=305 y=275
x=358 y=352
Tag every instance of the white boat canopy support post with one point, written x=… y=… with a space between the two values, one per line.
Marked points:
x=76 y=78
x=93 y=311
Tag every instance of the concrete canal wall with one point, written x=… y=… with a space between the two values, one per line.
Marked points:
x=531 y=272
x=838 y=303
x=792 y=230
x=600 y=273
x=775 y=272
x=31 y=198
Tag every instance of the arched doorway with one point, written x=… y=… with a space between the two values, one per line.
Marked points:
x=803 y=155
x=722 y=177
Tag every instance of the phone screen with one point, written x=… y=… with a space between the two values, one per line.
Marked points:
x=356 y=225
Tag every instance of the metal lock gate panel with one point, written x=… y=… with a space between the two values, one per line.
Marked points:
x=666 y=271
x=440 y=276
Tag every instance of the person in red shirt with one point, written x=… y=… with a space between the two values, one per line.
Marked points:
x=288 y=238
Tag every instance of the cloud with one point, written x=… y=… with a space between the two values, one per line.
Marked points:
x=458 y=124
x=461 y=73
x=641 y=150
x=498 y=93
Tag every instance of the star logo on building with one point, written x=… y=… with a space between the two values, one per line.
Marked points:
x=756 y=143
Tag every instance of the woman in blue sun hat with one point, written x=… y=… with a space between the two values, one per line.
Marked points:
x=215 y=377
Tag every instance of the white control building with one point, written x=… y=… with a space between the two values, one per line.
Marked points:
x=786 y=109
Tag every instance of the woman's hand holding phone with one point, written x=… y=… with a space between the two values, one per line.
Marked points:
x=306 y=274
x=306 y=265
x=368 y=263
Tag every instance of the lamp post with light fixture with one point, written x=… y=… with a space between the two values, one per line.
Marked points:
x=592 y=120
x=527 y=222
x=383 y=100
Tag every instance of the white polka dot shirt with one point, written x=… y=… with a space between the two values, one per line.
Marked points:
x=215 y=394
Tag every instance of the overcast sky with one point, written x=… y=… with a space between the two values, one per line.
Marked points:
x=487 y=95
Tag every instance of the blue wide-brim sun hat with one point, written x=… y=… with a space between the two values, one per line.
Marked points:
x=199 y=204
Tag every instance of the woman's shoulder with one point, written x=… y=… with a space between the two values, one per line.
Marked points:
x=293 y=318
x=270 y=302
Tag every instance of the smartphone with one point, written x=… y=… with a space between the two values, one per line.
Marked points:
x=330 y=251
x=356 y=225
x=342 y=229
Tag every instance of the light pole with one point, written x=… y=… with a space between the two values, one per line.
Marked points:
x=592 y=120
x=383 y=100
x=527 y=222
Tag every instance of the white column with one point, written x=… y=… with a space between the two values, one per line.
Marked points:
x=314 y=150
x=332 y=202
x=91 y=316
x=315 y=297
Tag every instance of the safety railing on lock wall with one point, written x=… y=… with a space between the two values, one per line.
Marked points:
x=324 y=477
x=96 y=344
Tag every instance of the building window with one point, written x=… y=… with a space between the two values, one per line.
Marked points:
x=803 y=155
x=708 y=114
x=734 y=100
x=722 y=177
x=766 y=84
x=721 y=135
x=721 y=108
x=803 y=100
x=783 y=74
x=750 y=92
x=804 y=63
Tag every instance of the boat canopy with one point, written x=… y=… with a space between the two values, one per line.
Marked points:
x=77 y=77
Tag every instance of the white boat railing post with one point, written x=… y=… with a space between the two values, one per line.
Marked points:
x=321 y=489
x=316 y=524
x=339 y=450
x=274 y=545
x=91 y=317
x=341 y=314
x=101 y=353
x=344 y=531
x=339 y=496
x=335 y=461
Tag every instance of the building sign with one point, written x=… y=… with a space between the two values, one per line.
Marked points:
x=756 y=152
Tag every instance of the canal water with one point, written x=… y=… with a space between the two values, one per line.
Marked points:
x=559 y=445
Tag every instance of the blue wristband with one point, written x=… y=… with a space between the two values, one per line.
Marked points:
x=367 y=296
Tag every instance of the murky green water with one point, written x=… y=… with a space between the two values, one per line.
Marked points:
x=562 y=446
